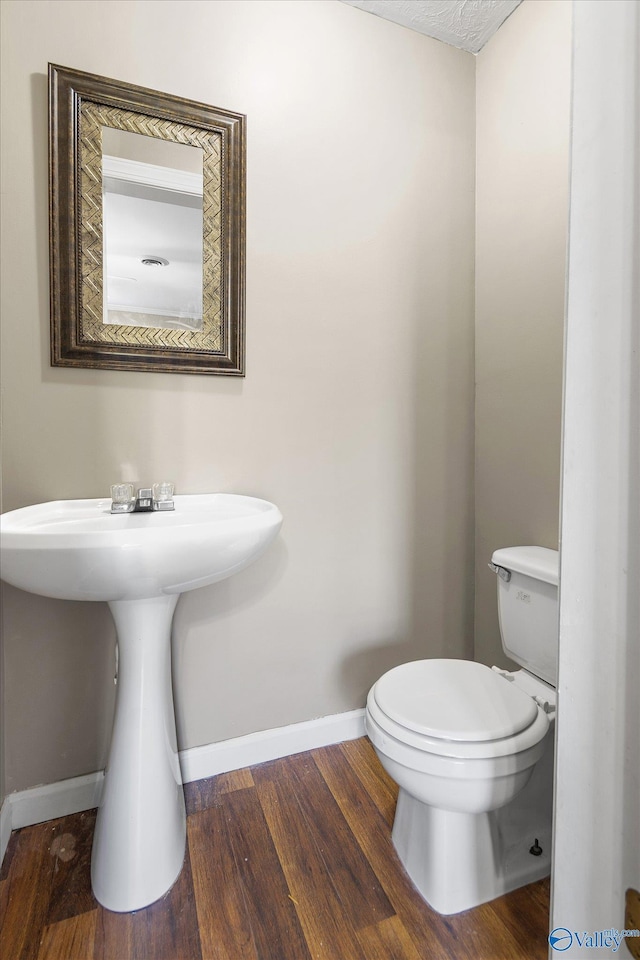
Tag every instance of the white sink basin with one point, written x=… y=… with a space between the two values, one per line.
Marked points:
x=139 y=563
x=79 y=550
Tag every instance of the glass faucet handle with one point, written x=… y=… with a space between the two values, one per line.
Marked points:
x=163 y=490
x=163 y=495
x=122 y=498
x=122 y=492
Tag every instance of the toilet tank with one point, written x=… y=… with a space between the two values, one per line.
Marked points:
x=528 y=607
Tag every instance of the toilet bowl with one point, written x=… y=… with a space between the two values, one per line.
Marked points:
x=471 y=749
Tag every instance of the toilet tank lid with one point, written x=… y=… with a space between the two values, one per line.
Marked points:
x=537 y=562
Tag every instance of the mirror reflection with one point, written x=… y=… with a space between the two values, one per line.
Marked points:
x=152 y=231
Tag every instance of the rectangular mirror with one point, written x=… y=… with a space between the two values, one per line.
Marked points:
x=147 y=208
x=152 y=218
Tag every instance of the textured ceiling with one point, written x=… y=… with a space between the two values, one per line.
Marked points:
x=467 y=24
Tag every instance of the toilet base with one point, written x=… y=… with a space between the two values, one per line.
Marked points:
x=457 y=861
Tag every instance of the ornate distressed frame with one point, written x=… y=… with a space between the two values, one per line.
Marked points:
x=80 y=104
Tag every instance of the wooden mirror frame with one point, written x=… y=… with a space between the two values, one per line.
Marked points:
x=79 y=104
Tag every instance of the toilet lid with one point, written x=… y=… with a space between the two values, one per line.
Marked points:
x=454 y=700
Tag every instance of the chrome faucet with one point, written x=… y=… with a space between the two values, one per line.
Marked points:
x=144 y=500
x=159 y=497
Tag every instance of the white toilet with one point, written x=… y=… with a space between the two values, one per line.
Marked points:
x=471 y=749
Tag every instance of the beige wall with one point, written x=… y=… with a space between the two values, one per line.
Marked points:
x=522 y=110
x=356 y=414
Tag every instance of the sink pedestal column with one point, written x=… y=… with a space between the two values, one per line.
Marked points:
x=139 y=841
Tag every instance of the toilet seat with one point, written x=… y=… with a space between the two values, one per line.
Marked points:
x=401 y=711
x=457 y=700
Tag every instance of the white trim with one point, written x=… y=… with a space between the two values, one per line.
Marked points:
x=46 y=802
x=26 y=807
x=5 y=827
x=597 y=782
x=152 y=175
x=213 y=758
x=170 y=312
x=53 y=800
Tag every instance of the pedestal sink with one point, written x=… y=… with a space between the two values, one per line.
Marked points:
x=138 y=563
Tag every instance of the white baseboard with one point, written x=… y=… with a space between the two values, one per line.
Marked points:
x=5 y=828
x=53 y=800
x=47 y=802
x=213 y=758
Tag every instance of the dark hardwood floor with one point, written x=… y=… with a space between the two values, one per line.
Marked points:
x=289 y=860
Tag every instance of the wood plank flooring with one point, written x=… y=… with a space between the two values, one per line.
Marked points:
x=289 y=860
